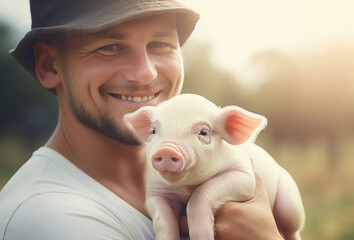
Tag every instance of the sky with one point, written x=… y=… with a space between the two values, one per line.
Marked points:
x=236 y=29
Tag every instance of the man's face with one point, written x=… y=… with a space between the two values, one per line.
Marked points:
x=109 y=74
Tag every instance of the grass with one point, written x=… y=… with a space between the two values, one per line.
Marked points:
x=14 y=151
x=327 y=189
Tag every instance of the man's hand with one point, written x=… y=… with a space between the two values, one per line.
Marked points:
x=251 y=220
x=183 y=225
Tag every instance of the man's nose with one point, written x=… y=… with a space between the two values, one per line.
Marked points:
x=141 y=68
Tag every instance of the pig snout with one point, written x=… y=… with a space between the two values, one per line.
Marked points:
x=168 y=158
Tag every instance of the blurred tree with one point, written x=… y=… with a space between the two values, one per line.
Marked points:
x=28 y=112
x=204 y=78
x=24 y=105
x=310 y=95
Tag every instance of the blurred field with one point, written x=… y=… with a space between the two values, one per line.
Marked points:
x=327 y=191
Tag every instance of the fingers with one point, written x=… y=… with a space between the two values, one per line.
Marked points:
x=260 y=187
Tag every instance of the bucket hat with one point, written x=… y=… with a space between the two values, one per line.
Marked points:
x=51 y=17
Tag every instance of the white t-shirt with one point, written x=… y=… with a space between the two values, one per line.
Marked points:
x=50 y=198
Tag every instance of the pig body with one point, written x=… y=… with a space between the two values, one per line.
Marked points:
x=200 y=154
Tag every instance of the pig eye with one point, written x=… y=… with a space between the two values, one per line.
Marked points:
x=204 y=136
x=154 y=130
x=204 y=132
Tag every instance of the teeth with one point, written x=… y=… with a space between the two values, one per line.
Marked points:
x=135 y=99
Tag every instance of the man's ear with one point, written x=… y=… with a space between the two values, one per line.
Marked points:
x=238 y=126
x=46 y=62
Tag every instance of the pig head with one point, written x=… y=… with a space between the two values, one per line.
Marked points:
x=183 y=136
x=197 y=153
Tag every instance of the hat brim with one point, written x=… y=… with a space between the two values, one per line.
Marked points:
x=99 y=20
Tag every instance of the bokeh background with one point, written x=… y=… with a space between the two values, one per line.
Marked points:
x=292 y=61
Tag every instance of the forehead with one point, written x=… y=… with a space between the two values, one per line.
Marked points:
x=166 y=20
x=161 y=25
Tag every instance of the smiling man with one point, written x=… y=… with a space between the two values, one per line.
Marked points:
x=103 y=59
x=105 y=75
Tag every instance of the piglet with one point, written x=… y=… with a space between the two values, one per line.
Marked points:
x=199 y=154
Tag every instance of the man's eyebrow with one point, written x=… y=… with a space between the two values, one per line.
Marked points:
x=167 y=33
x=109 y=35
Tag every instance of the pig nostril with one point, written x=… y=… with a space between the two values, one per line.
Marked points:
x=175 y=159
x=159 y=159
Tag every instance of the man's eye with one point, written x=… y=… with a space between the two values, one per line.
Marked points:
x=158 y=45
x=107 y=48
x=111 y=49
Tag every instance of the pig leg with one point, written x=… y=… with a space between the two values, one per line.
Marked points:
x=288 y=209
x=164 y=214
x=211 y=195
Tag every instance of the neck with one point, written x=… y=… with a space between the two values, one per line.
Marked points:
x=92 y=152
x=118 y=167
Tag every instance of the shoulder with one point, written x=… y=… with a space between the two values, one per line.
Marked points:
x=58 y=215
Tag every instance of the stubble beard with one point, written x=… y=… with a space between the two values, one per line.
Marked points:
x=102 y=123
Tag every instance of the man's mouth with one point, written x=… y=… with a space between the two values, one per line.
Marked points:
x=134 y=98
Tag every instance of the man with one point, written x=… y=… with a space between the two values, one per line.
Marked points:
x=103 y=59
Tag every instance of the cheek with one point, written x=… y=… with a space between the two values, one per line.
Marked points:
x=180 y=80
x=171 y=68
x=72 y=85
x=96 y=73
x=100 y=71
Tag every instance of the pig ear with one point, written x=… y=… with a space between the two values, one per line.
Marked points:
x=140 y=122
x=239 y=126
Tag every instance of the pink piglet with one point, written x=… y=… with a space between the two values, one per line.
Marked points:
x=199 y=154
